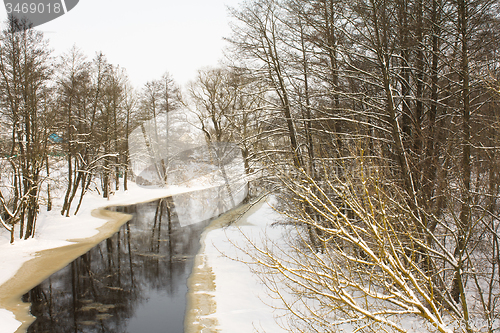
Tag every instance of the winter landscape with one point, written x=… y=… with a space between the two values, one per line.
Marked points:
x=336 y=171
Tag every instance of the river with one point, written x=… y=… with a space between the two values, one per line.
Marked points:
x=130 y=277
x=134 y=281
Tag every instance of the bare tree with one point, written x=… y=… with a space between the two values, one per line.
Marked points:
x=25 y=72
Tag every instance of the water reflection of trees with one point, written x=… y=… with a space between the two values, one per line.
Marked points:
x=100 y=290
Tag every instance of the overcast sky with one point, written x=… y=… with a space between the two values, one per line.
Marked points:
x=146 y=37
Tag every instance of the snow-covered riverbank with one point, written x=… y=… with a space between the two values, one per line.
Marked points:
x=225 y=295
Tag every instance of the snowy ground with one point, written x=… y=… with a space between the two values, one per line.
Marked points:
x=238 y=294
x=239 y=300
x=9 y=322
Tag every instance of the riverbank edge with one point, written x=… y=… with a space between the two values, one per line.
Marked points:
x=201 y=307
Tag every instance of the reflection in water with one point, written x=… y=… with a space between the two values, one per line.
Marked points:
x=135 y=281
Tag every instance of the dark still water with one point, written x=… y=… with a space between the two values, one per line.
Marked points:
x=135 y=281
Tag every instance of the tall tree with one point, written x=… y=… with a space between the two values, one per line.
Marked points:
x=25 y=73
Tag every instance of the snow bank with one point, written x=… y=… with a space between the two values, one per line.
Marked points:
x=9 y=323
x=242 y=303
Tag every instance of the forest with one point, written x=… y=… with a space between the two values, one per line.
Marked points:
x=375 y=123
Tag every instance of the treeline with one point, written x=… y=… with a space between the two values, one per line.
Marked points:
x=379 y=122
x=64 y=125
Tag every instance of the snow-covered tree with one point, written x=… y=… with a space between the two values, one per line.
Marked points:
x=25 y=110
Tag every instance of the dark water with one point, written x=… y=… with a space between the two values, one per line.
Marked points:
x=135 y=281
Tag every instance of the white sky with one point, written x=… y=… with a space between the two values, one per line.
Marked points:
x=146 y=37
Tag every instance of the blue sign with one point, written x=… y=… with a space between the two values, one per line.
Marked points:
x=55 y=138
